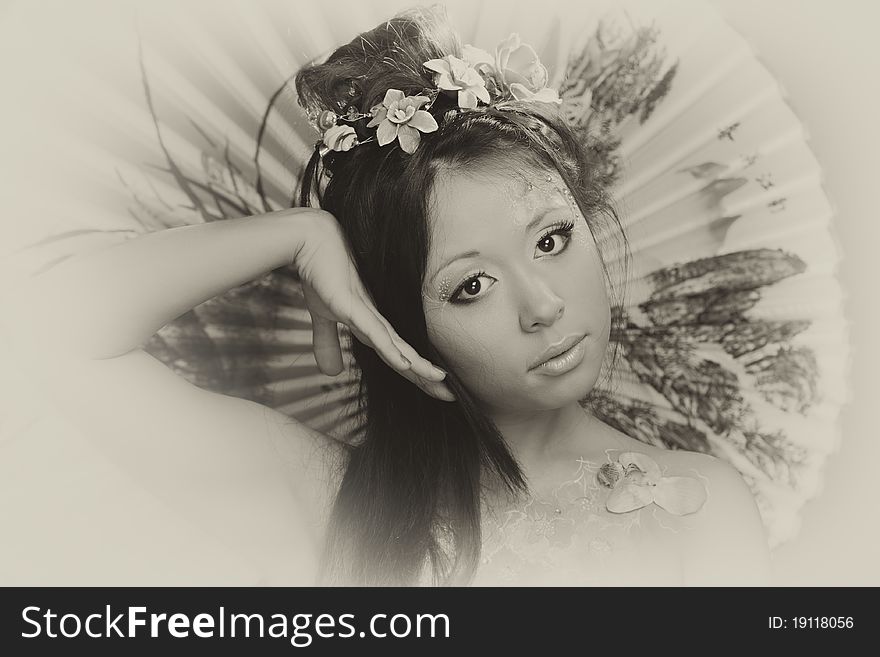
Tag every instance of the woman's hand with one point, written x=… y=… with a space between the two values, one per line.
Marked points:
x=334 y=293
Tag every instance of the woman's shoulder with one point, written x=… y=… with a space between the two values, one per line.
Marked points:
x=728 y=494
x=307 y=465
x=246 y=473
x=673 y=461
x=314 y=460
x=720 y=478
x=724 y=542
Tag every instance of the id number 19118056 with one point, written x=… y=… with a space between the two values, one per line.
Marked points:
x=810 y=622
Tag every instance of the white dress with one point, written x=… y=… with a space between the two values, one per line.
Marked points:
x=571 y=539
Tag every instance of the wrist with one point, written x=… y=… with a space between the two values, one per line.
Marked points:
x=307 y=223
x=299 y=224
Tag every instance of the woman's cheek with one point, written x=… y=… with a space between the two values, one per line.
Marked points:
x=471 y=351
x=457 y=347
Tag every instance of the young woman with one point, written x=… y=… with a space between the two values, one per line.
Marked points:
x=460 y=224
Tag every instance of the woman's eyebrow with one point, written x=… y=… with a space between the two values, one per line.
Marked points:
x=528 y=227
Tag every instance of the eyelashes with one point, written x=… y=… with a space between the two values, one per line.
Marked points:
x=563 y=228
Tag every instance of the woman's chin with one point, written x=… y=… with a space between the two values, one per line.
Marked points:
x=544 y=393
x=562 y=388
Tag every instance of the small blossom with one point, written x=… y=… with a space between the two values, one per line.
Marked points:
x=340 y=138
x=400 y=117
x=454 y=74
x=520 y=69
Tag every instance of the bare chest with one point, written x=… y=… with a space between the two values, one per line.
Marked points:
x=566 y=536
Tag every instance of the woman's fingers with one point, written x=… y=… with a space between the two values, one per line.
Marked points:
x=422 y=366
x=325 y=344
x=325 y=335
x=369 y=330
x=437 y=389
x=372 y=329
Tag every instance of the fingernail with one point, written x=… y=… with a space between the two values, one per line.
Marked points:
x=439 y=372
x=406 y=361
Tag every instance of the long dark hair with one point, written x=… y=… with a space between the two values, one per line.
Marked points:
x=412 y=489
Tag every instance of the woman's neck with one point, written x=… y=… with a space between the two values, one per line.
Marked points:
x=537 y=438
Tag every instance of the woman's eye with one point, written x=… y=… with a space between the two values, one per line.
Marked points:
x=472 y=288
x=556 y=240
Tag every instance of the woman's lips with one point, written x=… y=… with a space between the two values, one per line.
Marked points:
x=564 y=361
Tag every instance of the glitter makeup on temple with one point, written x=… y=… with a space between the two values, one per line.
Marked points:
x=445 y=286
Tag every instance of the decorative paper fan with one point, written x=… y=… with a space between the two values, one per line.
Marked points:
x=734 y=341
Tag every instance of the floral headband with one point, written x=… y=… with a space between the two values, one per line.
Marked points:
x=515 y=72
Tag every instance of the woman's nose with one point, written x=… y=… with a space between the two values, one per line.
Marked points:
x=541 y=306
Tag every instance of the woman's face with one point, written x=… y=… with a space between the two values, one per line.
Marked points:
x=512 y=271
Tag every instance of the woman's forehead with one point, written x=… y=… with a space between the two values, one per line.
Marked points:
x=491 y=199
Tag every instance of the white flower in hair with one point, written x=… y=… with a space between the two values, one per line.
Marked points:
x=400 y=117
x=516 y=68
x=514 y=72
x=454 y=74
x=340 y=138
